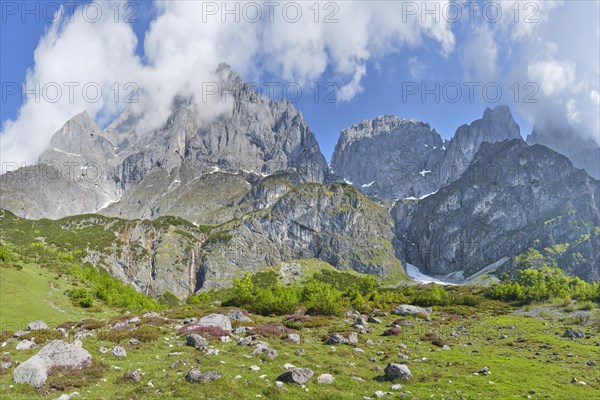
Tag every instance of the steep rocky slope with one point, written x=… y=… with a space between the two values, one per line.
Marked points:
x=141 y=175
x=393 y=158
x=389 y=157
x=513 y=198
x=334 y=223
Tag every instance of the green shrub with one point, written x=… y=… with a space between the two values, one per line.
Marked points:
x=321 y=298
x=168 y=299
x=544 y=283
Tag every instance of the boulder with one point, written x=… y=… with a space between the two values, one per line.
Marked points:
x=196 y=340
x=573 y=334
x=407 y=309
x=397 y=371
x=294 y=338
x=325 y=379
x=36 y=325
x=25 y=345
x=353 y=338
x=135 y=375
x=269 y=352
x=55 y=354
x=336 y=339
x=197 y=376
x=216 y=320
x=118 y=351
x=296 y=375
x=237 y=315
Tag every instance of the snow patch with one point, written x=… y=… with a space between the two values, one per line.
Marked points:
x=67 y=153
x=368 y=184
x=418 y=276
x=425 y=172
x=347 y=181
x=427 y=195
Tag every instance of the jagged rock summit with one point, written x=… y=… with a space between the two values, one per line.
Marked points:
x=91 y=169
x=392 y=158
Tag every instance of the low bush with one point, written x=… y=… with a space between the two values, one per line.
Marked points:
x=40 y=336
x=210 y=332
x=90 y=324
x=146 y=333
x=65 y=378
x=435 y=339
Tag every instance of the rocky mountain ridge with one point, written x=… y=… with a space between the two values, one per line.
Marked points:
x=254 y=190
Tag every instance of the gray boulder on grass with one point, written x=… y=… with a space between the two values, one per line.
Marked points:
x=296 y=375
x=397 y=371
x=55 y=354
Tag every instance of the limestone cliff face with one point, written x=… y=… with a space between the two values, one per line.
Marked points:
x=512 y=198
x=392 y=158
x=389 y=157
x=142 y=175
x=334 y=223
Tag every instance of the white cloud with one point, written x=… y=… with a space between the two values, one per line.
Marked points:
x=416 y=68
x=183 y=47
x=552 y=44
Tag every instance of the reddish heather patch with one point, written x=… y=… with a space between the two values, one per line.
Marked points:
x=392 y=331
x=210 y=331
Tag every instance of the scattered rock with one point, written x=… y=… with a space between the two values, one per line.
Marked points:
x=397 y=371
x=294 y=338
x=254 y=368
x=397 y=387
x=296 y=375
x=374 y=320
x=212 y=352
x=55 y=354
x=407 y=309
x=135 y=375
x=20 y=333
x=36 y=325
x=591 y=363
x=216 y=320
x=197 y=376
x=133 y=342
x=4 y=365
x=353 y=338
x=133 y=320
x=118 y=351
x=269 y=352
x=151 y=314
x=325 y=379
x=573 y=334
x=196 y=341
x=238 y=316
x=485 y=371
x=336 y=339
x=225 y=339
x=25 y=345
x=103 y=350
x=446 y=347
x=287 y=366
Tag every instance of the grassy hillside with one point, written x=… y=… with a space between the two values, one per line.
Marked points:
x=523 y=349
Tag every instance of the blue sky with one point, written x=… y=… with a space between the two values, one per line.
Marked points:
x=374 y=59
